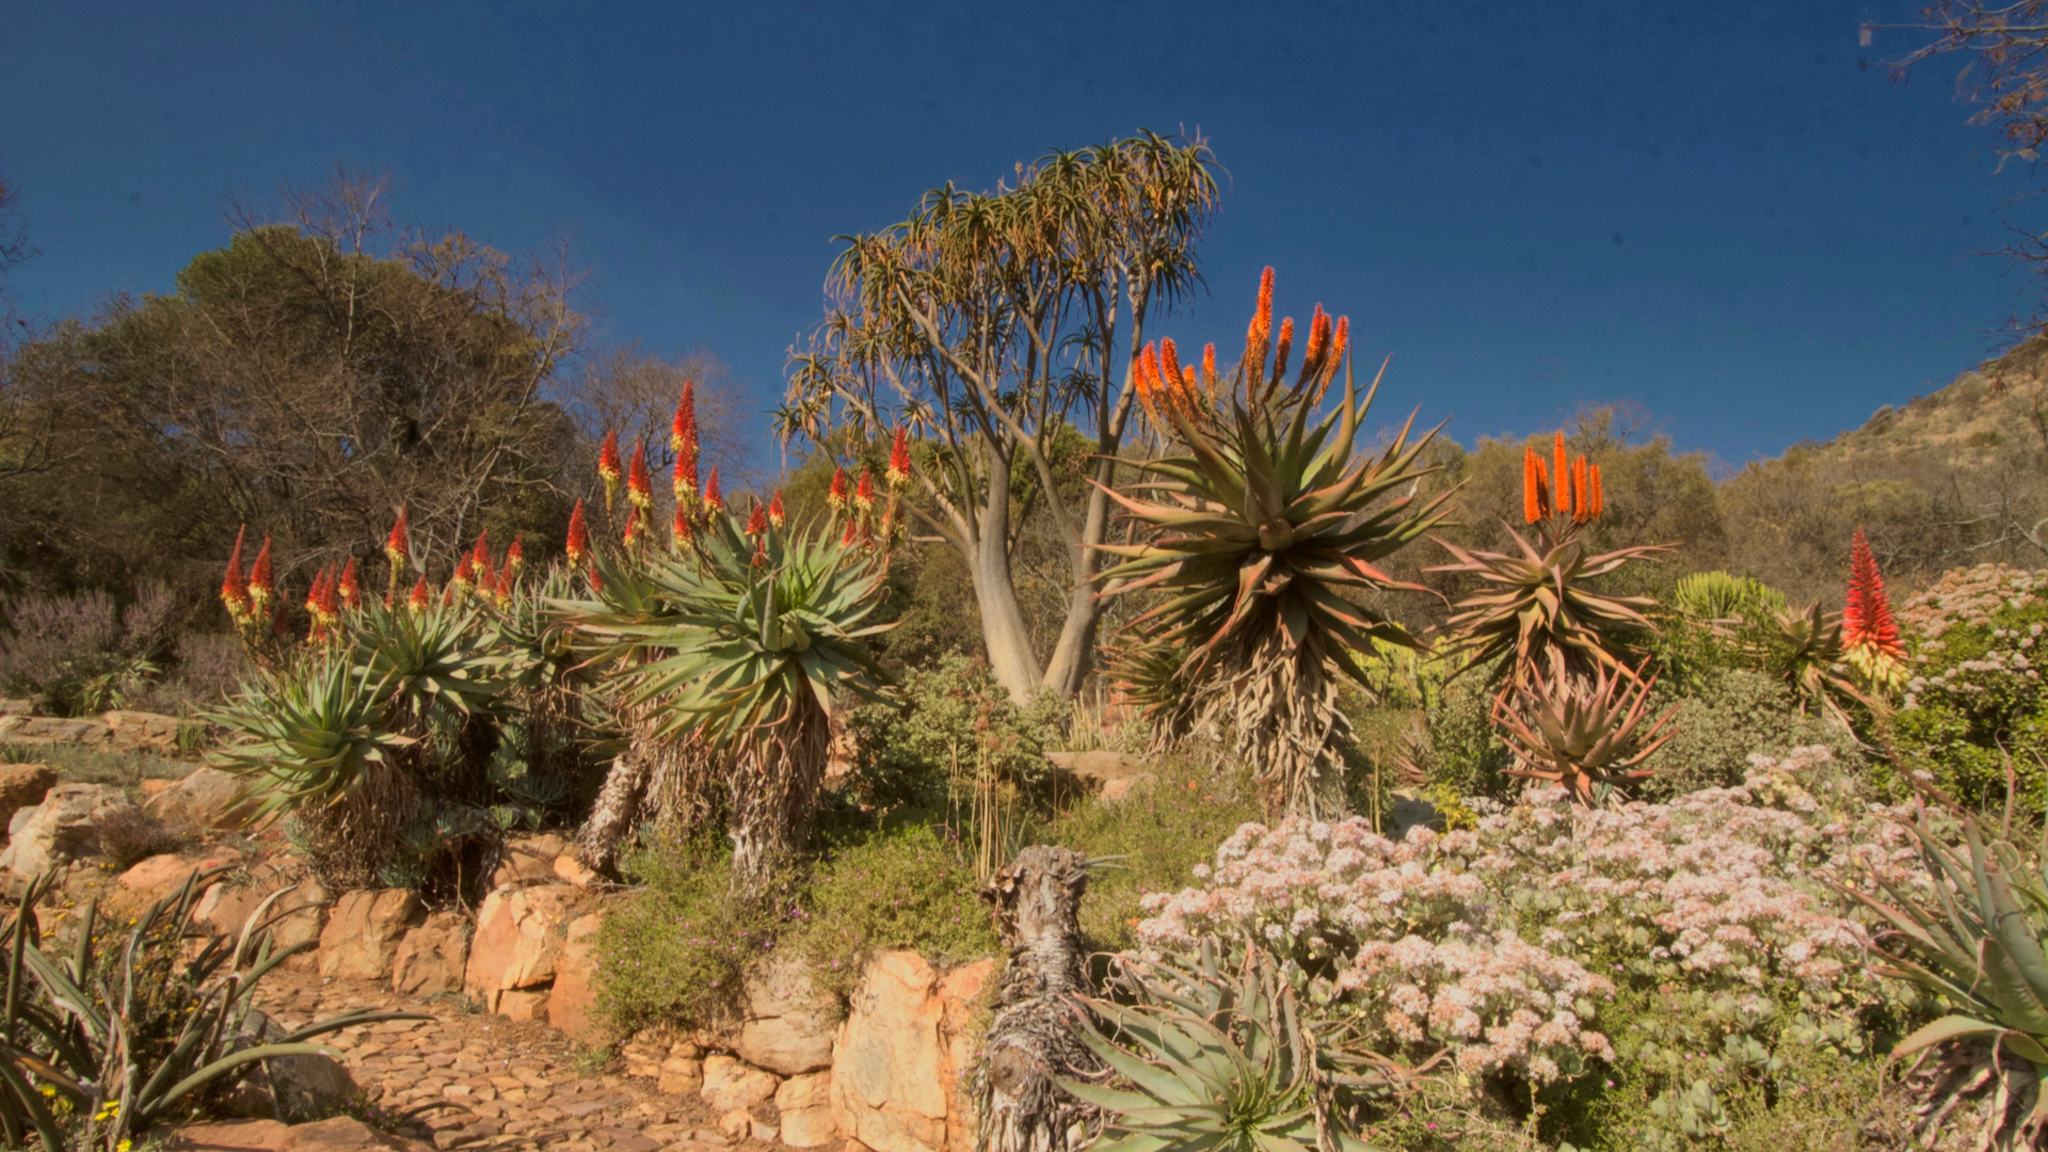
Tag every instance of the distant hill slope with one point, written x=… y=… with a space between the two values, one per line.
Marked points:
x=2001 y=404
x=1950 y=479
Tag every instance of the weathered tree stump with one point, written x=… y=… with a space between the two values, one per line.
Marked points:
x=1033 y=1039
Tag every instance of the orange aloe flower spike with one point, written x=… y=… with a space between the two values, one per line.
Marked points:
x=350 y=587
x=1258 y=333
x=1582 y=502
x=1561 y=465
x=1209 y=369
x=1598 y=501
x=234 y=587
x=1283 y=347
x=1532 y=486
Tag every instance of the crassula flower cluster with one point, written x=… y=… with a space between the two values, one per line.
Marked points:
x=1498 y=943
x=1402 y=926
x=1971 y=596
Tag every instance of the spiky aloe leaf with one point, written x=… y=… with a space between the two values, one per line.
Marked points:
x=1586 y=733
x=1536 y=606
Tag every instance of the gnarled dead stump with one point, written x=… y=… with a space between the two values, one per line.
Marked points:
x=1032 y=1040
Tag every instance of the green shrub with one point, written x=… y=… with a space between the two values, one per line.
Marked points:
x=1457 y=752
x=1150 y=839
x=910 y=753
x=1735 y=716
x=903 y=886
x=675 y=950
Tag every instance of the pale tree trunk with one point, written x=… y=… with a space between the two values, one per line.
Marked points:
x=1033 y=1039
x=1070 y=655
x=985 y=546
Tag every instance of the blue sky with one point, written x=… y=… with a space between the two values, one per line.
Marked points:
x=1729 y=214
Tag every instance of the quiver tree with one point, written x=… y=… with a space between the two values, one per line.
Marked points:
x=1001 y=326
x=1034 y=1039
x=1258 y=540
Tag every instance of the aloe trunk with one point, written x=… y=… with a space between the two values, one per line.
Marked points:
x=1032 y=1042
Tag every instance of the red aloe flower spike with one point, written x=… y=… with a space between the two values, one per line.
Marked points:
x=632 y=533
x=1282 y=347
x=1867 y=620
x=398 y=544
x=351 y=587
x=899 y=459
x=328 y=606
x=260 y=586
x=864 y=492
x=515 y=557
x=760 y=550
x=579 y=535
x=776 y=516
x=1258 y=333
x=638 y=488
x=314 y=591
x=501 y=590
x=757 y=520
x=682 y=431
x=421 y=598
x=480 y=560
x=852 y=533
x=234 y=587
x=608 y=466
x=596 y=577
x=836 y=496
x=713 y=501
x=680 y=531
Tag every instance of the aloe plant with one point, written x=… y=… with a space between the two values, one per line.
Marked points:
x=93 y=1056
x=1205 y=1057
x=1535 y=607
x=1586 y=733
x=1976 y=939
x=739 y=648
x=1260 y=533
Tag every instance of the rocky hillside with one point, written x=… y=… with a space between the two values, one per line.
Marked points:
x=2000 y=405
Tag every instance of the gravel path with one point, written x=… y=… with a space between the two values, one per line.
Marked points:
x=500 y=1084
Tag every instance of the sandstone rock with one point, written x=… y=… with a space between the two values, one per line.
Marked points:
x=23 y=786
x=17 y=707
x=363 y=931
x=159 y=876
x=572 y=1003
x=523 y=1005
x=803 y=1106
x=54 y=730
x=900 y=1055
x=736 y=1124
x=64 y=827
x=681 y=1075
x=205 y=800
x=143 y=731
x=231 y=1136
x=528 y=860
x=730 y=1083
x=570 y=870
x=297 y=917
x=1112 y=774
x=431 y=956
x=519 y=937
x=790 y=1022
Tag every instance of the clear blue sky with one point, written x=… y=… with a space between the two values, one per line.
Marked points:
x=1728 y=213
